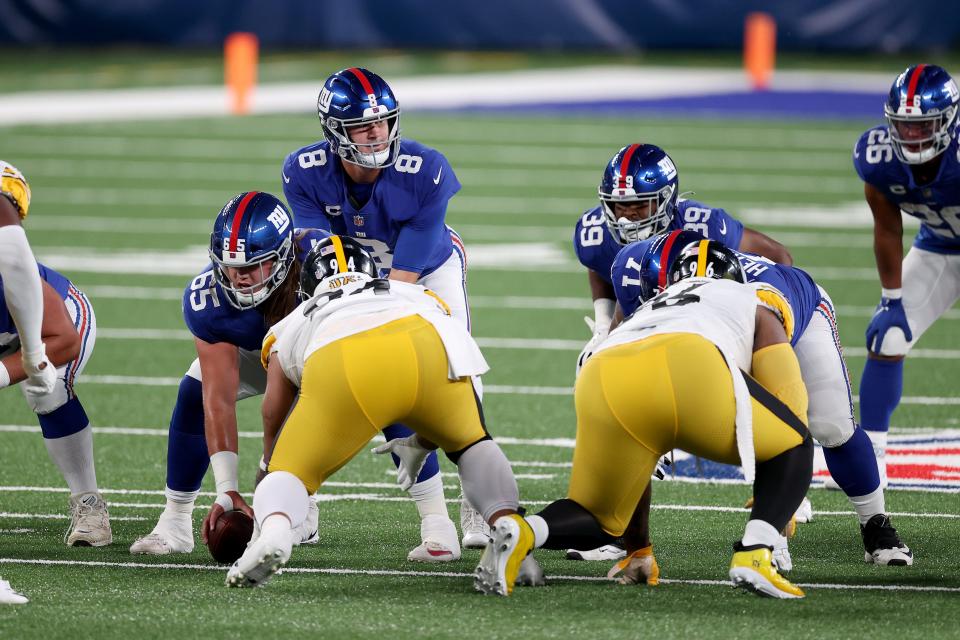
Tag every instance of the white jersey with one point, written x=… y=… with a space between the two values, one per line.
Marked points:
x=725 y=313
x=362 y=304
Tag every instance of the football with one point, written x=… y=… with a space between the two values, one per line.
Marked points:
x=230 y=536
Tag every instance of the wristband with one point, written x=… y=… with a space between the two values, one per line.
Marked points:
x=4 y=376
x=891 y=294
x=224 y=465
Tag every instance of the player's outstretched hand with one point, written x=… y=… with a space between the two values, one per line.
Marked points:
x=889 y=314
x=41 y=374
x=411 y=456
x=640 y=567
x=229 y=501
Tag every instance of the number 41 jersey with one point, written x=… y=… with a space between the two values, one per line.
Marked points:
x=936 y=204
x=402 y=222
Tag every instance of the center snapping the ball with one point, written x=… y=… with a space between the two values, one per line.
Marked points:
x=230 y=536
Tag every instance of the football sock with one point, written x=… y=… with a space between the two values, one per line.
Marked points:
x=487 y=479
x=428 y=496
x=570 y=526
x=869 y=505
x=853 y=464
x=281 y=492
x=541 y=530
x=73 y=455
x=780 y=485
x=180 y=502
x=760 y=532
x=880 y=389
x=187 y=457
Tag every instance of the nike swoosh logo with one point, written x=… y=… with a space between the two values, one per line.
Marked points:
x=723 y=227
x=437 y=179
x=285 y=178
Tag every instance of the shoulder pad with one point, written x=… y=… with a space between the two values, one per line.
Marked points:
x=770 y=298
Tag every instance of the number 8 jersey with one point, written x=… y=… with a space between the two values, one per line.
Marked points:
x=936 y=204
x=402 y=221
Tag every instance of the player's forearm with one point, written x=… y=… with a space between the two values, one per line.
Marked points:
x=22 y=286
x=888 y=250
x=220 y=426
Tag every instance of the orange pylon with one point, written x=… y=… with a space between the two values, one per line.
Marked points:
x=759 y=48
x=240 y=52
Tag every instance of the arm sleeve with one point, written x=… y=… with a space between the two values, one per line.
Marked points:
x=22 y=286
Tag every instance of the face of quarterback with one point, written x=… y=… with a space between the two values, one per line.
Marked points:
x=251 y=277
x=372 y=136
x=633 y=211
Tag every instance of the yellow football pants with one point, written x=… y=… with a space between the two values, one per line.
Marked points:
x=356 y=386
x=637 y=401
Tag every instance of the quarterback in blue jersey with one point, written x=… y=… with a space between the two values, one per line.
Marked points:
x=910 y=165
x=388 y=193
x=228 y=308
x=639 y=198
x=640 y=272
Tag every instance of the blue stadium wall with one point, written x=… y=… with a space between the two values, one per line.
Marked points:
x=551 y=25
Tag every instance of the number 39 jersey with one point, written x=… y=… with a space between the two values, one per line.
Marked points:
x=402 y=222
x=596 y=248
x=722 y=311
x=936 y=204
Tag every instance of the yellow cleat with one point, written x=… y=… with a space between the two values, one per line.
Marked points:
x=753 y=570
x=511 y=540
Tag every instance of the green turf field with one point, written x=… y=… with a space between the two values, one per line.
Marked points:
x=150 y=190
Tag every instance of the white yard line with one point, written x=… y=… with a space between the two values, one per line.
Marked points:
x=443 y=574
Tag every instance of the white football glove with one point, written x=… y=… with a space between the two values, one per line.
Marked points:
x=781 y=555
x=412 y=458
x=41 y=374
x=599 y=334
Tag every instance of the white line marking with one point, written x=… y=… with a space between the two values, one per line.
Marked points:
x=444 y=574
x=57 y=516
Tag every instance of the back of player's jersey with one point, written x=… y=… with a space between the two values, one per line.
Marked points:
x=795 y=284
x=935 y=204
x=722 y=311
x=596 y=248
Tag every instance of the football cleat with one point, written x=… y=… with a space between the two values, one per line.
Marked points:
x=261 y=561
x=309 y=530
x=752 y=569
x=89 y=522
x=804 y=513
x=440 y=542
x=173 y=534
x=608 y=553
x=511 y=541
x=882 y=545
x=8 y=594
x=476 y=531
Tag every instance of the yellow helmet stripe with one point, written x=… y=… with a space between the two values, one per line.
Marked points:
x=702 y=258
x=341 y=257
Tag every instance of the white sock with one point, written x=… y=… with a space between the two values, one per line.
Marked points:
x=541 y=530
x=428 y=496
x=869 y=505
x=281 y=492
x=759 y=532
x=180 y=503
x=275 y=524
x=73 y=455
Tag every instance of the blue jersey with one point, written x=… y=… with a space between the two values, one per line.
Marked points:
x=212 y=319
x=403 y=221
x=795 y=284
x=7 y=328
x=596 y=248
x=936 y=204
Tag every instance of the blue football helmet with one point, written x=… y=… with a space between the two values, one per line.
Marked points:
x=252 y=230
x=921 y=112
x=660 y=253
x=705 y=259
x=639 y=174
x=356 y=97
x=335 y=256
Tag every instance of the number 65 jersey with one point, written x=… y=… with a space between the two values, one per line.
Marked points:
x=403 y=220
x=936 y=204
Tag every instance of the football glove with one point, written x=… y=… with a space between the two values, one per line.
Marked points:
x=640 y=567
x=411 y=455
x=14 y=186
x=41 y=374
x=599 y=334
x=781 y=555
x=889 y=314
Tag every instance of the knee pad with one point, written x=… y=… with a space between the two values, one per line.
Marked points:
x=895 y=343
x=44 y=403
x=63 y=421
x=831 y=433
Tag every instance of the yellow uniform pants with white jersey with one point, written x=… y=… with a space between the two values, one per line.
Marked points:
x=355 y=386
x=639 y=400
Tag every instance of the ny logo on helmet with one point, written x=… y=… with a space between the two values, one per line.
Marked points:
x=323 y=102
x=279 y=219
x=667 y=166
